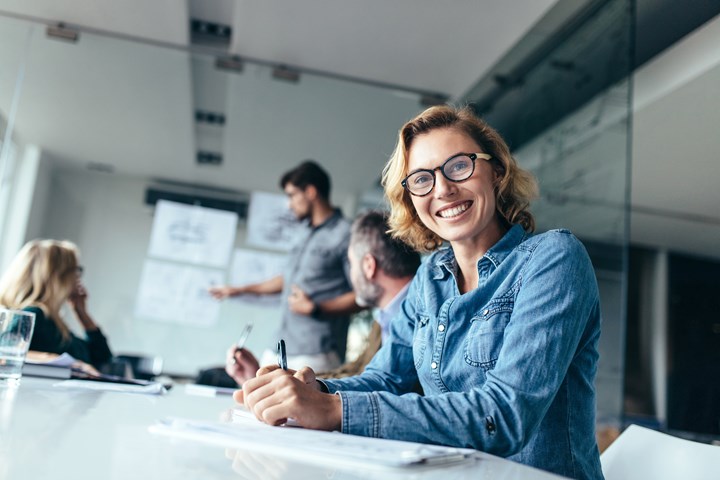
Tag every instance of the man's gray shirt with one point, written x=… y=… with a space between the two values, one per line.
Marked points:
x=318 y=265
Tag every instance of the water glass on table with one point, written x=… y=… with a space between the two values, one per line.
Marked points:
x=16 y=329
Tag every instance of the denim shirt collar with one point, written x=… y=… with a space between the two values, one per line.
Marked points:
x=445 y=260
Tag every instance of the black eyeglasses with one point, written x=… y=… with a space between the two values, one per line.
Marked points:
x=456 y=169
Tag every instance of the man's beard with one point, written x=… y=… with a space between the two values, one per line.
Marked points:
x=367 y=294
x=306 y=215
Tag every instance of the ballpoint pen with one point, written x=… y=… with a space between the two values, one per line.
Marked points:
x=282 y=355
x=241 y=341
x=243 y=336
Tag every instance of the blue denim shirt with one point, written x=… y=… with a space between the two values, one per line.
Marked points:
x=507 y=368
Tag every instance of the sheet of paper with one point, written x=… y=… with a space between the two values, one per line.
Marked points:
x=240 y=414
x=42 y=358
x=271 y=224
x=312 y=445
x=152 y=389
x=207 y=390
x=175 y=293
x=253 y=266
x=192 y=234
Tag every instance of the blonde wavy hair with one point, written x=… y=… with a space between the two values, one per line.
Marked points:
x=514 y=190
x=42 y=274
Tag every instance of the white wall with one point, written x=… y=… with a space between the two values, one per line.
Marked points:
x=105 y=215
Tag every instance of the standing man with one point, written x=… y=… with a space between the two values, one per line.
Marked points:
x=317 y=298
x=381 y=269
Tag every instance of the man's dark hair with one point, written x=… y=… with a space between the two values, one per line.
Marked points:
x=308 y=173
x=369 y=235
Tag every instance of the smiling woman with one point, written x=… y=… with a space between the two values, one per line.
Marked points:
x=454 y=134
x=505 y=351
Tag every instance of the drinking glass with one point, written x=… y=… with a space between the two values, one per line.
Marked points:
x=16 y=329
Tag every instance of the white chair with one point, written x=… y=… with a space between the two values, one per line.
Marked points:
x=641 y=453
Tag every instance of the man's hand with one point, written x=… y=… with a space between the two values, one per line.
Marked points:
x=299 y=302
x=241 y=365
x=224 y=291
x=276 y=395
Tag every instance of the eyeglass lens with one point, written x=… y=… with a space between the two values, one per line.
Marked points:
x=455 y=169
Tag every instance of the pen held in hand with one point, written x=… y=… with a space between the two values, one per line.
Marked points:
x=282 y=355
x=243 y=338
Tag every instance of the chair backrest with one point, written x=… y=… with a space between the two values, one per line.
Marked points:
x=646 y=454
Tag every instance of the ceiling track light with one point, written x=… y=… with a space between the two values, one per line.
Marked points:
x=61 y=32
x=286 y=74
x=204 y=157
x=211 y=118
x=232 y=64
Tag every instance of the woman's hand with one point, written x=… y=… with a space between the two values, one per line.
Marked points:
x=276 y=395
x=78 y=300
x=78 y=297
x=85 y=368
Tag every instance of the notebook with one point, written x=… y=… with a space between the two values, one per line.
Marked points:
x=46 y=370
x=312 y=445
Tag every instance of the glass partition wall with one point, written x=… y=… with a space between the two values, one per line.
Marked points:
x=14 y=44
x=103 y=124
x=566 y=111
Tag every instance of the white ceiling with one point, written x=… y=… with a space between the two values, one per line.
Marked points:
x=422 y=44
x=130 y=106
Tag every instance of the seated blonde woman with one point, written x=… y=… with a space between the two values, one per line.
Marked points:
x=41 y=278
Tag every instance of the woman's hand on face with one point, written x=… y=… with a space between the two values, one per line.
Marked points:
x=78 y=297
x=276 y=395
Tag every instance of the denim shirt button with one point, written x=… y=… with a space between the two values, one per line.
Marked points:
x=490 y=424
x=486 y=311
x=433 y=365
x=441 y=328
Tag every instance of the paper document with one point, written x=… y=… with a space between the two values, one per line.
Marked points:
x=271 y=224
x=241 y=414
x=207 y=390
x=192 y=234
x=154 y=388
x=312 y=445
x=43 y=358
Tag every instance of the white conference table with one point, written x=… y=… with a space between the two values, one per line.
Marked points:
x=48 y=432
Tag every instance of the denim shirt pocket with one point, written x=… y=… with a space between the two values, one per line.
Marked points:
x=420 y=339
x=485 y=338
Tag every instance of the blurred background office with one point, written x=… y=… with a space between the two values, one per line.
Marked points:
x=108 y=107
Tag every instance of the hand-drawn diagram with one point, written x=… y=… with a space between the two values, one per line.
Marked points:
x=252 y=266
x=192 y=234
x=178 y=294
x=270 y=223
